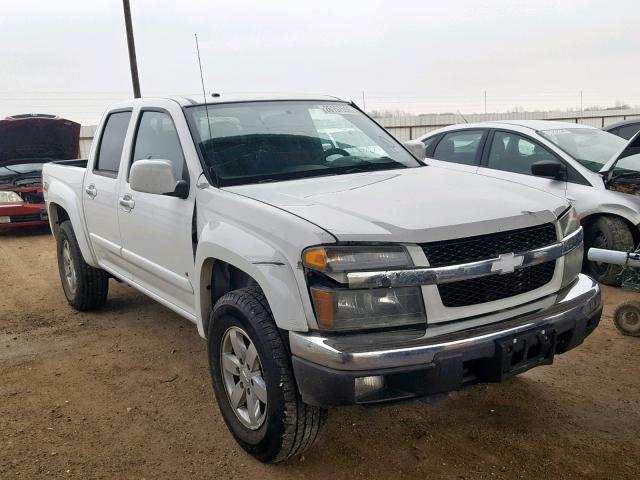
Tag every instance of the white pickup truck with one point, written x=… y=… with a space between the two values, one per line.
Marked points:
x=321 y=273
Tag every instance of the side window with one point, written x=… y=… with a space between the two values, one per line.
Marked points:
x=459 y=147
x=111 y=143
x=512 y=153
x=628 y=131
x=429 y=141
x=157 y=138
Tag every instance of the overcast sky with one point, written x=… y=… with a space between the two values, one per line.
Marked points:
x=70 y=57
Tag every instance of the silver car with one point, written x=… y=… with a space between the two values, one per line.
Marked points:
x=595 y=170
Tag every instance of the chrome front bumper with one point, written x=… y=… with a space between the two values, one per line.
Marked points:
x=380 y=367
x=369 y=351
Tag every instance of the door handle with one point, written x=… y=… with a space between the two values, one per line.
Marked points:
x=127 y=202
x=91 y=190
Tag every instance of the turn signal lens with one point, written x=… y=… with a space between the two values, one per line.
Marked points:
x=350 y=258
x=316 y=258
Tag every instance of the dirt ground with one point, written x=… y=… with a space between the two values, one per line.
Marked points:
x=125 y=393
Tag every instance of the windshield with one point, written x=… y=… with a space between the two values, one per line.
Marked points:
x=10 y=173
x=591 y=147
x=256 y=142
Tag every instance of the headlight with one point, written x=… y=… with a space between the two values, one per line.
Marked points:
x=346 y=309
x=572 y=265
x=569 y=222
x=8 y=197
x=349 y=258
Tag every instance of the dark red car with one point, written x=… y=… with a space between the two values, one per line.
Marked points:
x=26 y=143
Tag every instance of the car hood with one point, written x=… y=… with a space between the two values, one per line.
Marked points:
x=410 y=205
x=29 y=139
x=631 y=148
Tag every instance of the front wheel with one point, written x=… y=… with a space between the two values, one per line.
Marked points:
x=609 y=233
x=253 y=380
x=85 y=287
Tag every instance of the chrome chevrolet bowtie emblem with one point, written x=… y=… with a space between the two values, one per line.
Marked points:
x=507 y=263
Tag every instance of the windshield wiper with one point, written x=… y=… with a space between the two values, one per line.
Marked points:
x=368 y=167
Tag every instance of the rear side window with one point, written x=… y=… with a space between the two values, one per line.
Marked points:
x=157 y=138
x=459 y=147
x=513 y=153
x=112 y=143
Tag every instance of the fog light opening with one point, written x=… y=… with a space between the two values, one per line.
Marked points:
x=368 y=386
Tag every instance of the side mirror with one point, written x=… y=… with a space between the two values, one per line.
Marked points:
x=549 y=168
x=155 y=176
x=417 y=148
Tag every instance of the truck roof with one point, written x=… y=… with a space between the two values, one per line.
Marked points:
x=231 y=98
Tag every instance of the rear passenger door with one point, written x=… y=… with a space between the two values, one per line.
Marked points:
x=100 y=194
x=458 y=150
x=509 y=156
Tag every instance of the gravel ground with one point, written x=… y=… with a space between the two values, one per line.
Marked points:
x=125 y=393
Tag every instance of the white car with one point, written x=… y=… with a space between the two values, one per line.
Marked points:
x=317 y=281
x=573 y=161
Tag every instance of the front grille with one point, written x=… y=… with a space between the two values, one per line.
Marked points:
x=496 y=287
x=25 y=218
x=482 y=247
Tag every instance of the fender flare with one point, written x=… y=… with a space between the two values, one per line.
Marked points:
x=257 y=258
x=617 y=210
x=62 y=196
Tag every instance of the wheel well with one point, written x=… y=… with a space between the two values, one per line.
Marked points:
x=217 y=279
x=634 y=229
x=58 y=215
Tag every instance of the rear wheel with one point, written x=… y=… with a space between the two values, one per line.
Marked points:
x=253 y=380
x=627 y=318
x=609 y=233
x=85 y=287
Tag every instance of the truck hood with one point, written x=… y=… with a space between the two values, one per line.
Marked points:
x=412 y=205
x=37 y=138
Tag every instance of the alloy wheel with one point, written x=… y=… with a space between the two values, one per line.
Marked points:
x=243 y=378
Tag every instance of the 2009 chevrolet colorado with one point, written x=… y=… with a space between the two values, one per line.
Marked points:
x=321 y=271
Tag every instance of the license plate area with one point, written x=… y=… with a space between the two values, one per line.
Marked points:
x=518 y=353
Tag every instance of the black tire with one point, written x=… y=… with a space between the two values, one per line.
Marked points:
x=627 y=318
x=611 y=233
x=290 y=426
x=91 y=284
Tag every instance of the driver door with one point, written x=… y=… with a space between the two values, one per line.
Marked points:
x=509 y=156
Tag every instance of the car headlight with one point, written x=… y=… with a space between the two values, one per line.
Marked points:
x=342 y=308
x=349 y=258
x=8 y=197
x=346 y=309
x=569 y=222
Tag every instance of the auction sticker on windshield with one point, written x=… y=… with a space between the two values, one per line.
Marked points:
x=337 y=108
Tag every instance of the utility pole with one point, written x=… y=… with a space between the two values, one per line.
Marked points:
x=485 y=102
x=581 y=105
x=132 y=49
x=364 y=105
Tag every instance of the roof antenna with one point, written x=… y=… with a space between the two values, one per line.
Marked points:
x=204 y=94
x=206 y=109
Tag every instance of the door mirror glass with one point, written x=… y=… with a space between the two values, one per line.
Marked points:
x=549 y=168
x=416 y=147
x=153 y=176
